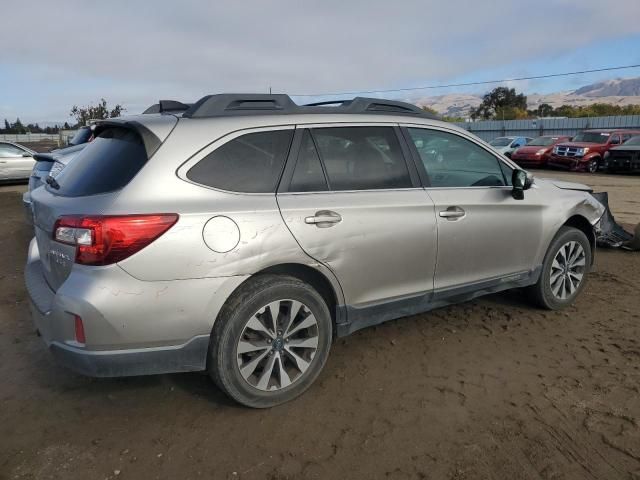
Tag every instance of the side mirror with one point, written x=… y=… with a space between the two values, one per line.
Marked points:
x=521 y=181
x=26 y=154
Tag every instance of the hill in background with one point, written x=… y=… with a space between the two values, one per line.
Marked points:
x=624 y=91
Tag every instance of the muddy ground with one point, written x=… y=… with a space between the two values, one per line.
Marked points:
x=489 y=389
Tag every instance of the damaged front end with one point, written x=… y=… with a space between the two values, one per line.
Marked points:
x=610 y=234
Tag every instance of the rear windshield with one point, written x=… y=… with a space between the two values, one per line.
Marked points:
x=82 y=136
x=106 y=164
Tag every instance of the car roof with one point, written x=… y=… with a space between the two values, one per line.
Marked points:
x=612 y=130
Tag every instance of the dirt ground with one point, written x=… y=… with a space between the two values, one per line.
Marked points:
x=489 y=389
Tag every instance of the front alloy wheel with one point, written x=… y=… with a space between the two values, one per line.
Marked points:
x=567 y=270
x=564 y=270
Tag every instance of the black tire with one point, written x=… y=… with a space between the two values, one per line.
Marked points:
x=541 y=293
x=228 y=329
x=593 y=165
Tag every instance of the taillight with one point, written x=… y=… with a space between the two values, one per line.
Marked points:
x=103 y=240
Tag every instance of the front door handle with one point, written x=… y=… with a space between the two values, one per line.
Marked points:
x=452 y=213
x=323 y=219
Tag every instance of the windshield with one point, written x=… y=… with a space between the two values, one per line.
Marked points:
x=501 y=141
x=592 y=137
x=542 y=141
x=82 y=136
x=633 y=141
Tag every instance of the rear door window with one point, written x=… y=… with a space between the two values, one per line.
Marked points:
x=308 y=175
x=105 y=165
x=362 y=158
x=250 y=163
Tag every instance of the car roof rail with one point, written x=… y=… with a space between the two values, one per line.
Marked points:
x=167 y=106
x=232 y=104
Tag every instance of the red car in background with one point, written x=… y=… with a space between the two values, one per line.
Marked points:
x=537 y=151
x=589 y=149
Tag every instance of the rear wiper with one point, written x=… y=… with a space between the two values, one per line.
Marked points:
x=53 y=183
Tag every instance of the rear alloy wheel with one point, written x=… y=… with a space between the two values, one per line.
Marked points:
x=270 y=341
x=564 y=270
x=277 y=345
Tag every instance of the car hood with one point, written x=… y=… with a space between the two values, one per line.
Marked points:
x=628 y=148
x=580 y=144
x=502 y=149
x=532 y=149
x=567 y=185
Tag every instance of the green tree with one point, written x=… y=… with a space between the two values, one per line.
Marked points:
x=545 y=110
x=95 y=112
x=18 y=128
x=7 y=126
x=501 y=101
x=429 y=110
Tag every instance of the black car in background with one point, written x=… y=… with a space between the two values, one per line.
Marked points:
x=626 y=157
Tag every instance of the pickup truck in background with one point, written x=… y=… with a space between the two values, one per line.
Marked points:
x=589 y=150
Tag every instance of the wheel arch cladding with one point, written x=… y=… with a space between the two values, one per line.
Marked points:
x=582 y=224
x=304 y=273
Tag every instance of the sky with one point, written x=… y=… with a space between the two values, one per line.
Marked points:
x=54 y=55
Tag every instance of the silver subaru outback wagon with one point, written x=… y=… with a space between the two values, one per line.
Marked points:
x=242 y=235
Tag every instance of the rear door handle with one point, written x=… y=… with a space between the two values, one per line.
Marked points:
x=452 y=213
x=323 y=219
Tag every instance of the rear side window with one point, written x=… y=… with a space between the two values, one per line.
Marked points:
x=105 y=165
x=362 y=158
x=308 y=175
x=251 y=163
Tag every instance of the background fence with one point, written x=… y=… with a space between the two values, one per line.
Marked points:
x=490 y=129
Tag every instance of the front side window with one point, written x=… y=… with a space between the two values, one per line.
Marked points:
x=7 y=151
x=501 y=142
x=453 y=161
x=615 y=140
x=362 y=158
x=250 y=163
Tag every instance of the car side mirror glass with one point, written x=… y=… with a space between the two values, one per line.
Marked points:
x=521 y=181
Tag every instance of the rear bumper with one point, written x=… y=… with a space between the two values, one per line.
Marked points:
x=132 y=327
x=188 y=357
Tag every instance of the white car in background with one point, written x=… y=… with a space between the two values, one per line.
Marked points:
x=507 y=145
x=16 y=161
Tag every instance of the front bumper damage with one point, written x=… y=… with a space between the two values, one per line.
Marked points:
x=609 y=233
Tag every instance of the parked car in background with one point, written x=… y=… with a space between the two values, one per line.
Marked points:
x=625 y=158
x=536 y=152
x=47 y=164
x=16 y=161
x=588 y=150
x=506 y=145
x=244 y=235
x=83 y=135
